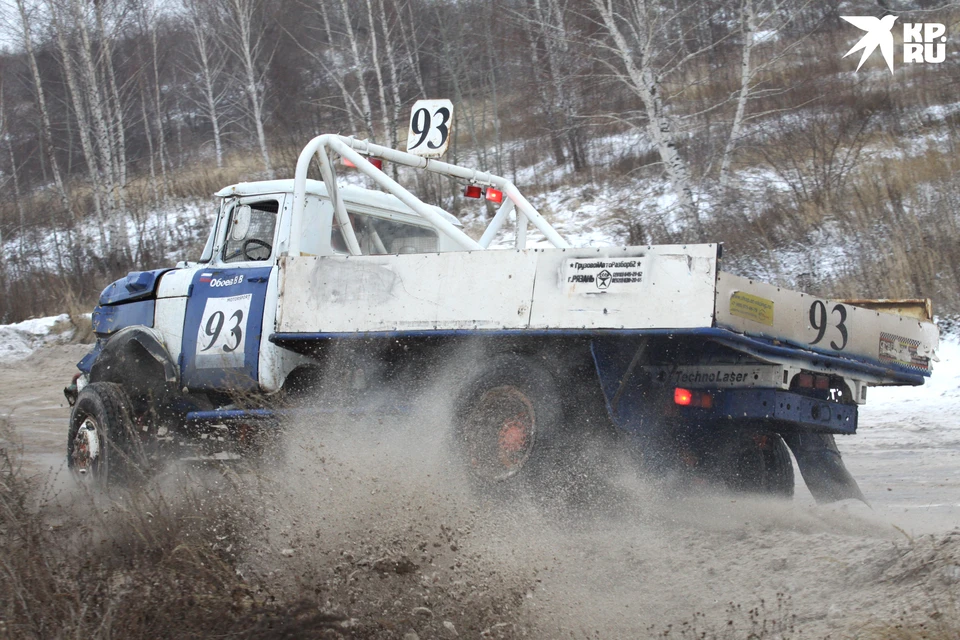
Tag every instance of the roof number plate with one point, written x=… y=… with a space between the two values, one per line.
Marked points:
x=431 y=122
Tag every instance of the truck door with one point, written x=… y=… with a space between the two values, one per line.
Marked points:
x=223 y=322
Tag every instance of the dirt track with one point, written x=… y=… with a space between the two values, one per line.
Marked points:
x=630 y=568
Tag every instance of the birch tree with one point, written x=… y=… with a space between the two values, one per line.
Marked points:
x=148 y=18
x=411 y=46
x=330 y=62
x=553 y=57
x=114 y=104
x=748 y=27
x=80 y=114
x=629 y=31
x=99 y=115
x=45 y=126
x=772 y=22
x=15 y=180
x=208 y=65
x=359 y=67
x=391 y=48
x=95 y=103
x=244 y=37
x=389 y=129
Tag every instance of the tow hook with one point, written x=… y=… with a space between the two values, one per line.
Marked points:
x=72 y=391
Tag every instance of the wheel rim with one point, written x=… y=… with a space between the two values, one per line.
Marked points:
x=87 y=449
x=500 y=433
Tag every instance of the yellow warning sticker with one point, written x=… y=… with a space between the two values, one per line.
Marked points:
x=744 y=305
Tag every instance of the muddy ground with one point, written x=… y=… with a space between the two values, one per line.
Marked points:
x=371 y=522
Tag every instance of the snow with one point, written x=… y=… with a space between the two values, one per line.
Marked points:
x=765 y=35
x=918 y=417
x=176 y=227
x=19 y=340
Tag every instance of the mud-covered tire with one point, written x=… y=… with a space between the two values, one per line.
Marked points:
x=507 y=417
x=102 y=444
x=760 y=463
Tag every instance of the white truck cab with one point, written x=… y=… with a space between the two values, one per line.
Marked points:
x=231 y=292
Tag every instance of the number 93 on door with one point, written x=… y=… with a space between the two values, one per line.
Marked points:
x=220 y=336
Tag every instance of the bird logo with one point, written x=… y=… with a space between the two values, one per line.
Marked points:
x=879 y=34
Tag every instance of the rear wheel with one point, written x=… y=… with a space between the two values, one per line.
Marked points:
x=759 y=462
x=102 y=444
x=506 y=421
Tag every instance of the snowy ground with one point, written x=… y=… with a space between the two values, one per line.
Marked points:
x=907 y=451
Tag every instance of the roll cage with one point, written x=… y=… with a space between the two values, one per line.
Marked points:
x=357 y=151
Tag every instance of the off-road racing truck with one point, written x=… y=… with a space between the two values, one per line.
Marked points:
x=360 y=296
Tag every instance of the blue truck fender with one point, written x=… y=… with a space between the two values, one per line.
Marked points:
x=117 y=355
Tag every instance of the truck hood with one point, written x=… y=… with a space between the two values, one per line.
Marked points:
x=137 y=285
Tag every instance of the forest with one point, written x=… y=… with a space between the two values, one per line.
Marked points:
x=656 y=121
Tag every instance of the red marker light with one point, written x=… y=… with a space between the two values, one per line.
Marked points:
x=683 y=397
x=377 y=162
x=472 y=191
x=494 y=195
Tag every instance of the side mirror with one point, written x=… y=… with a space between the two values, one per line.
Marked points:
x=240 y=224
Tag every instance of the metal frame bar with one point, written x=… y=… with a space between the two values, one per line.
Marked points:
x=844 y=366
x=354 y=150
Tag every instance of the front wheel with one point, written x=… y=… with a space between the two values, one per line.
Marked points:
x=102 y=444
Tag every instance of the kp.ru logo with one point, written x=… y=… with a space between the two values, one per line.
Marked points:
x=922 y=41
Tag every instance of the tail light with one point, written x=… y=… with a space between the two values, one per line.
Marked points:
x=687 y=398
x=811 y=381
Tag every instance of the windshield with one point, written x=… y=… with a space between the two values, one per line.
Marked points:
x=249 y=233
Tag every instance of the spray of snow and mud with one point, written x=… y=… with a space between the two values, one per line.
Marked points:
x=374 y=515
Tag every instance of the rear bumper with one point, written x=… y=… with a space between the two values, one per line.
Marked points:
x=790 y=411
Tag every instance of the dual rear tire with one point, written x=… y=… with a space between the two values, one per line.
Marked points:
x=757 y=462
x=506 y=423
x=510 y=436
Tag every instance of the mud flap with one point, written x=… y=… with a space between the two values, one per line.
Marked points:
x=822 y=467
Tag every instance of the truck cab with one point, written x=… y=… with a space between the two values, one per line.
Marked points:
x=213 y=318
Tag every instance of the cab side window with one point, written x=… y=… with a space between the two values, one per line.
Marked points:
x=379 y=236
x=250 y=229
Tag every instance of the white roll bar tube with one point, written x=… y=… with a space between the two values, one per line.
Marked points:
x=351 y=149
x=491 y=231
